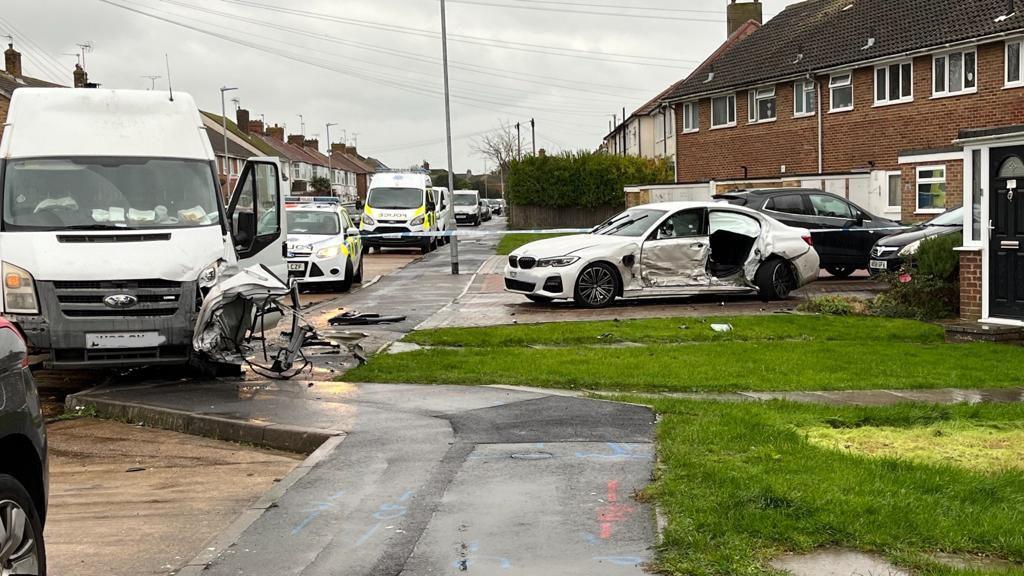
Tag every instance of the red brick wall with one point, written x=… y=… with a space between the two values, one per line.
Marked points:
x=4 y=105
x=854 y=139
x=954 y=188
x=970 y=285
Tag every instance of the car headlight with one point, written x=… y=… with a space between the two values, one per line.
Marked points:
x=417 y=221
x=208 y=276
x=19 y=291
x=368 y=220
x=558 y=262
x=910 y=249
x=328 y=252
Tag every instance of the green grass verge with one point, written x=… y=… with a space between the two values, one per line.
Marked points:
x=760 y=353
x=510 y=242
x=740 y=484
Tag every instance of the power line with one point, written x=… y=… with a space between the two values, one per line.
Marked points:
x=622 y=7
x=589 y=12
x=48 y=62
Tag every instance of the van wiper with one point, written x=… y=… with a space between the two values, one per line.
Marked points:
x=96 y=227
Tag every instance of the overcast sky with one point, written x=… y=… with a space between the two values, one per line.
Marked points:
x=373 y=66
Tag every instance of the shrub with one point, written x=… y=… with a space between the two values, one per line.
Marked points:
x=321 y=185
x=937 y=257
x=928 y=288
x=581 y=179
x=832 y=305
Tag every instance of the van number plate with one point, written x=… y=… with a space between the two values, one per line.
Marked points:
x=124 y=340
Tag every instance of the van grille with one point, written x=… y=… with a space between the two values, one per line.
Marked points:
x=85 y=299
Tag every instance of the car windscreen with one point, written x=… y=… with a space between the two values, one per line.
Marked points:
x=395 y=198
x=629 y=223
x=313 y=222
x=98 y=193
x=465 y=200
x=952 y=218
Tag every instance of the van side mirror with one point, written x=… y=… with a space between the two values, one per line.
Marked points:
x=245 y=229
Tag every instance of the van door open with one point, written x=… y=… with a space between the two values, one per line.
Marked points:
x=255 y=215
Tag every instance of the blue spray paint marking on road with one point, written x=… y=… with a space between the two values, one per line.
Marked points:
x=474 y=547
x=318 y=508
x=386 y=511
x=591 y=539
x=620 y=560
x=618 y=452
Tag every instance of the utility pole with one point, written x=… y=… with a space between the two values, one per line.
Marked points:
x=224 y=126
x=533 y=135
x=152 y=80
x=452 y=225
x=519 y=143
x=330 y=169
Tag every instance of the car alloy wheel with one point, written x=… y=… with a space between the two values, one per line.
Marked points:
x=19 y=553
x=596 y=286
x=782 y=280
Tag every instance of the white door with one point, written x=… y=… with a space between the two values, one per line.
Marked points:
x=255 y=214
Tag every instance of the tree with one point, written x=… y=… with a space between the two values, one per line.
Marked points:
x=321 y=185
x=500 y=146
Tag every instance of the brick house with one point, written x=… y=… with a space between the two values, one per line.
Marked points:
x=907 y=107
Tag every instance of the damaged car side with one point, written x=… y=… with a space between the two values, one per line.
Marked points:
x=667 y=249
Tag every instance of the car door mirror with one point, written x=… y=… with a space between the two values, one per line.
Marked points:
x=352 y=231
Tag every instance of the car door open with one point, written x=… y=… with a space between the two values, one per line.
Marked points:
x=676 y=253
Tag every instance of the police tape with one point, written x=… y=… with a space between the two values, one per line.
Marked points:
x=565 y=231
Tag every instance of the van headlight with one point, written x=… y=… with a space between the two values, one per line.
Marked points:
x=417 y=221
x=328 y=252
x=19 y=291
x=910 y=249
x=209 y=275
x=368 y=220
x=559 y=262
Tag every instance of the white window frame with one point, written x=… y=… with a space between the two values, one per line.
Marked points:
x=691 y=109
x=800 y=90
x=917 y=184
x=833 y=85
x=754 y=98
x=887 y=68
x=1019 y=82
x=731 y=113
x=946 y=92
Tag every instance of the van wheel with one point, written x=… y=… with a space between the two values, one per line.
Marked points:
x=596 y=286
x=775 y=280
x=20 y=525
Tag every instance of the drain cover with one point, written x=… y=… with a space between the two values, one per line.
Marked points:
x=531 y=456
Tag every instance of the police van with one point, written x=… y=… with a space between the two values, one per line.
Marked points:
x=400 y=204
x=324 y=246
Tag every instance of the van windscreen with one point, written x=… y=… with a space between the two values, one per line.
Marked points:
x=395 y=198
x=465 y=199
x=116 y=193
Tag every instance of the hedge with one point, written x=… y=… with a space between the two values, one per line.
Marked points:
x=581 y=179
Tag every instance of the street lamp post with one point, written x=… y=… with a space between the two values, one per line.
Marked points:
x=452 y=225
x=224 y=127
x=330 y=169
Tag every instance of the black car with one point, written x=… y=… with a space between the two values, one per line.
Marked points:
x=843 y=232
x=891 y=252
x=23 y=467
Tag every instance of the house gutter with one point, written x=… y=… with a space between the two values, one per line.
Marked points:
x=851 y=65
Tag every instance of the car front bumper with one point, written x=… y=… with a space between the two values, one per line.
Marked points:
x=548 y=281
x=310 y=269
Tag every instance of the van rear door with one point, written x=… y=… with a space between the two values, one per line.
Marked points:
x=256 y=216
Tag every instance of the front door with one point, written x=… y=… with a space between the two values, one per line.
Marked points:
x=676 y=254
x=1006 y=242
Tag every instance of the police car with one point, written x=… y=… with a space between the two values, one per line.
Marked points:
x=324 y=245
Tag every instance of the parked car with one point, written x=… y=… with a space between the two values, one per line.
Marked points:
x=501 y=206
x=667 y=249
x=324 y=246
x=843 y=232
x=890 y=253
x=495 y=205
x=467 y=207
x=23 y=465
x=485 y=211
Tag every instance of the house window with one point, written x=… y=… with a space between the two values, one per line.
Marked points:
x=691 y=117
x=761 y=104
x=894 y=83
x=1014 y=63
x=895 y=184
x=841 y=92
x=723 y=111
x=955 y=73
x=804 y=95
x=931 y=188
x=976 y=195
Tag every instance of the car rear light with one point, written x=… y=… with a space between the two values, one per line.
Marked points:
x=809 y=240
x=6 y=324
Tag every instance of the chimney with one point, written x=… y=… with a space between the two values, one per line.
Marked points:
x=296 y=140
x=255 y=126
x=12 y=59
x=276 y=131
x=338 y=147
x=81 y=78
x=313 y=143
x=738 y=13
x=352 y=150
x=242 y=119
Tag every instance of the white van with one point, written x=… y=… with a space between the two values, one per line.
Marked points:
x=399 y=203
x=113 y=226
x=444 y=213
x=467 y=207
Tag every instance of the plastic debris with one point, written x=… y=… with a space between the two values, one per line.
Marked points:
x=722 y=327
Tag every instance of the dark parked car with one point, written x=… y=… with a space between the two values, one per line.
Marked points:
x=891 y=252
x=843 y=232
x=23 y=468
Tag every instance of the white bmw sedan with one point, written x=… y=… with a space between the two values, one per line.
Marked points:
x=667 y=249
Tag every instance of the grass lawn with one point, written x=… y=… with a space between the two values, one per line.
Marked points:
x=778 y=352
x=510 y=242
x=741 y=483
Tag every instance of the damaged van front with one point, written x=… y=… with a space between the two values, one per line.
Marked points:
x=113 y=225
